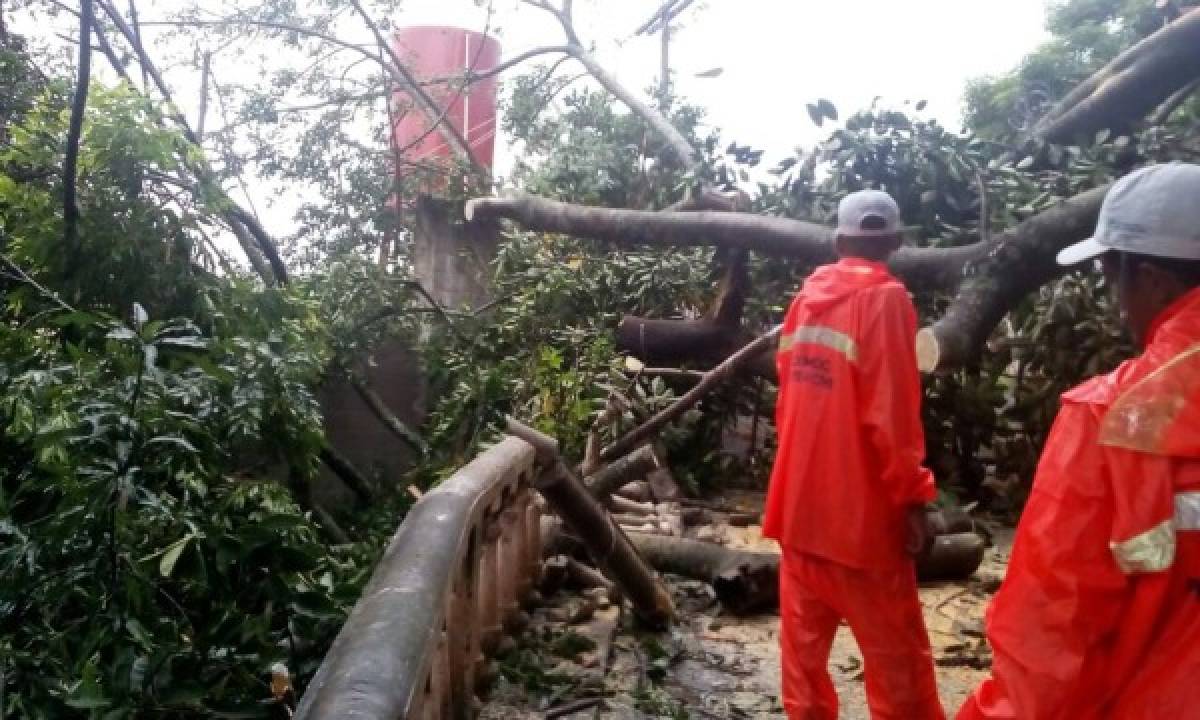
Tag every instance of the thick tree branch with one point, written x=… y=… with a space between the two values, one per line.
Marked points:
x=1171 y=104
x=1021 y=260
x=384 y=414
x=772 y=235
x=74 y=133
x=345 y=471
x=1130 y=86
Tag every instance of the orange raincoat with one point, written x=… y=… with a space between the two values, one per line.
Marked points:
x=1099 y=615
x=849 y=419
x=847 y=468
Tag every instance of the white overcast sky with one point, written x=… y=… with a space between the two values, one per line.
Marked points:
x=776 y=56
x=779 y=55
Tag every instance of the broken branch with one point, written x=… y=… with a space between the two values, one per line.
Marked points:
x=733 y=364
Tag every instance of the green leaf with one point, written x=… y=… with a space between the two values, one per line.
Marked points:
x=827 y=109
x=166 y=565
x=815 y=114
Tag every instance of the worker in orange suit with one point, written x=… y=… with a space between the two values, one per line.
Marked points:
x=848 y=491
x=1099 y=614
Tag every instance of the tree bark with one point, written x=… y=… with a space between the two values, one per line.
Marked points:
x=74 y=134
x=608 y=546
x=1020 y=261
x=634 y=466
x=1130 y=86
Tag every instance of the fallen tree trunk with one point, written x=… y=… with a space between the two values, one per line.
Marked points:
x=1129 y=87
x=748 y=582
x=796 y=240
x=1011 y=264
x=773 y=235
x=609 y=548
x=1022 y=260
x=744 y=582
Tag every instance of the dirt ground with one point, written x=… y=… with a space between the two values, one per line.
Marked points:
x=713 y=665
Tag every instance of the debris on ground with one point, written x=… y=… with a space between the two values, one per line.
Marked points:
x=582 y=658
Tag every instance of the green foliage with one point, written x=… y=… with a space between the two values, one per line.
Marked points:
x=154 y=556
x=545 y=351
x=592 y=151
x=156 y=553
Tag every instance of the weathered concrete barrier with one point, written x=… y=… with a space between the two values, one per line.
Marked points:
x=452 y=576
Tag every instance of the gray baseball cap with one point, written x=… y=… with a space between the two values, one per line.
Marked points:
x=868 y=213
x=1152 y=211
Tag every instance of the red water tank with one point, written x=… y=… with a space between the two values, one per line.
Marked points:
x=447 y=52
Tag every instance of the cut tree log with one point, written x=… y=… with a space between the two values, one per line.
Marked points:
x=747 y=582
x=1131 y=86
x=630 y=468
x=609 y=547
x=616 y=503
x=744 y=582
x=951 y=557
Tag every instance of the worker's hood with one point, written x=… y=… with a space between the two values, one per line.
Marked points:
x=830 y=284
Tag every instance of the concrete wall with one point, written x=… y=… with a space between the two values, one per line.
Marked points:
x=451 y=258
x=394 y=372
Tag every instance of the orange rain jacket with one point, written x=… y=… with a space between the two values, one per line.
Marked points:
x=1099 y=615
x=848 y=419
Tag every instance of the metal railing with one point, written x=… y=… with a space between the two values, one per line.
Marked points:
x=452 y=576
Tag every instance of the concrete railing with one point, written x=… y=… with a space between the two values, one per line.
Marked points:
x=452 y=576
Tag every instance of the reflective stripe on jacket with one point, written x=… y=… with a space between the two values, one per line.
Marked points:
x=1099 y=614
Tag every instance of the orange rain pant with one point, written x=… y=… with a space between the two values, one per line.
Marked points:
x=884 y=613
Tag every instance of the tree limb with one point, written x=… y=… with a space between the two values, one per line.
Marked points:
x=74 y=133
x=727 y=369
x=1130 y=86
x=1171 y=104
x=384 y=414
x=661 y=125
x=345 y=471
x=773 y=235
x=236 y=214
x=1020 y=260
x=425 y=103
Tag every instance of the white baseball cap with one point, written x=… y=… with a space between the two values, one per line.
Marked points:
x=868 y=213
x=1152 y=211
